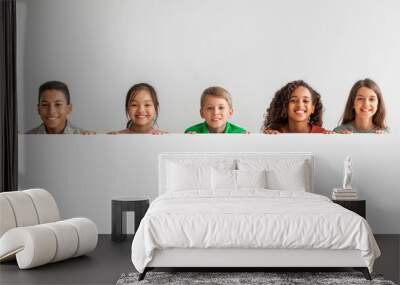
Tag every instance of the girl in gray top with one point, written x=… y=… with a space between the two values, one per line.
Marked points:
x=365 y=110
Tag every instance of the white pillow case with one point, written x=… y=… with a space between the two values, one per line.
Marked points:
x=181 y=177
x=251 y=178
x=288 y=179
x=236 y=179
x=282 y=174
x=194 y=174
x=224 y=179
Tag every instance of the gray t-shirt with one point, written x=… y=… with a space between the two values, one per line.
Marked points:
x=69 y=130
x=349 y=127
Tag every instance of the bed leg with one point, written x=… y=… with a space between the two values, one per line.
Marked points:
x=364 y=271
x=143 y=274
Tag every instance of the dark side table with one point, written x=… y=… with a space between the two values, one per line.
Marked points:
x=119 y=207
x=357 y=206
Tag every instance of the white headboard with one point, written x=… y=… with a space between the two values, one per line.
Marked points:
x=165 y=158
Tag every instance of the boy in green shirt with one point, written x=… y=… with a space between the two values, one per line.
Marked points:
x=215 y=109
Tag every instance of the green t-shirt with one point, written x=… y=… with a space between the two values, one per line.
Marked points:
x=203 y=129
x=349 y=127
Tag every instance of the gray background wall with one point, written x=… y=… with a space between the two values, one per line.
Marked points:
x=100 y=48
x=85 y=172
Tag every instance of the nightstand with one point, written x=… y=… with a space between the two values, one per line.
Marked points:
x=119 y=207
x=357 y=206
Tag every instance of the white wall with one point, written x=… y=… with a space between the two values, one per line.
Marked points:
x=85 y=172
x=101 y=48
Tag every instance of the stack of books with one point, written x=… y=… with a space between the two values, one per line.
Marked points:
x=344 y=194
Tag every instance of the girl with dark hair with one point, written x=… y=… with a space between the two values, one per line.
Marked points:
x=295 y=108
x=365 y=110
x=141 y=108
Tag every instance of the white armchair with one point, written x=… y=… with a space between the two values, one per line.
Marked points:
x=31 y=230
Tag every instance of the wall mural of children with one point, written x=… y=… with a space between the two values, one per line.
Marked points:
x=141 y=108
x=216 y=109
x=295 y=108
x=54 y=107
x=365 y=110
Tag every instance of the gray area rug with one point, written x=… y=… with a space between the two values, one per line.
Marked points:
x=273 y=278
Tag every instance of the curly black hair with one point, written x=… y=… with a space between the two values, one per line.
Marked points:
x=276 y=116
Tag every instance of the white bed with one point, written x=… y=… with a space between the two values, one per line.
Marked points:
x=247 y=210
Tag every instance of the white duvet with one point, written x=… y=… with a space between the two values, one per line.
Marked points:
x=251 y=218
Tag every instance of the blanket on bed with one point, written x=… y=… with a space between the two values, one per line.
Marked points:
x=251 y=218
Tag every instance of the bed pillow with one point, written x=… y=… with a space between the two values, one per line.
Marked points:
x=282 y=174
x=188 y=177
x=251 y=178
x=287 y=179
x=218 y=163
x=223 y=179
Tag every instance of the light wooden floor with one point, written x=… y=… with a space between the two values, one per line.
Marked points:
x=111 y=259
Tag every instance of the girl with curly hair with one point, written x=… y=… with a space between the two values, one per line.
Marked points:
x=295 y=108
x=365 y=110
